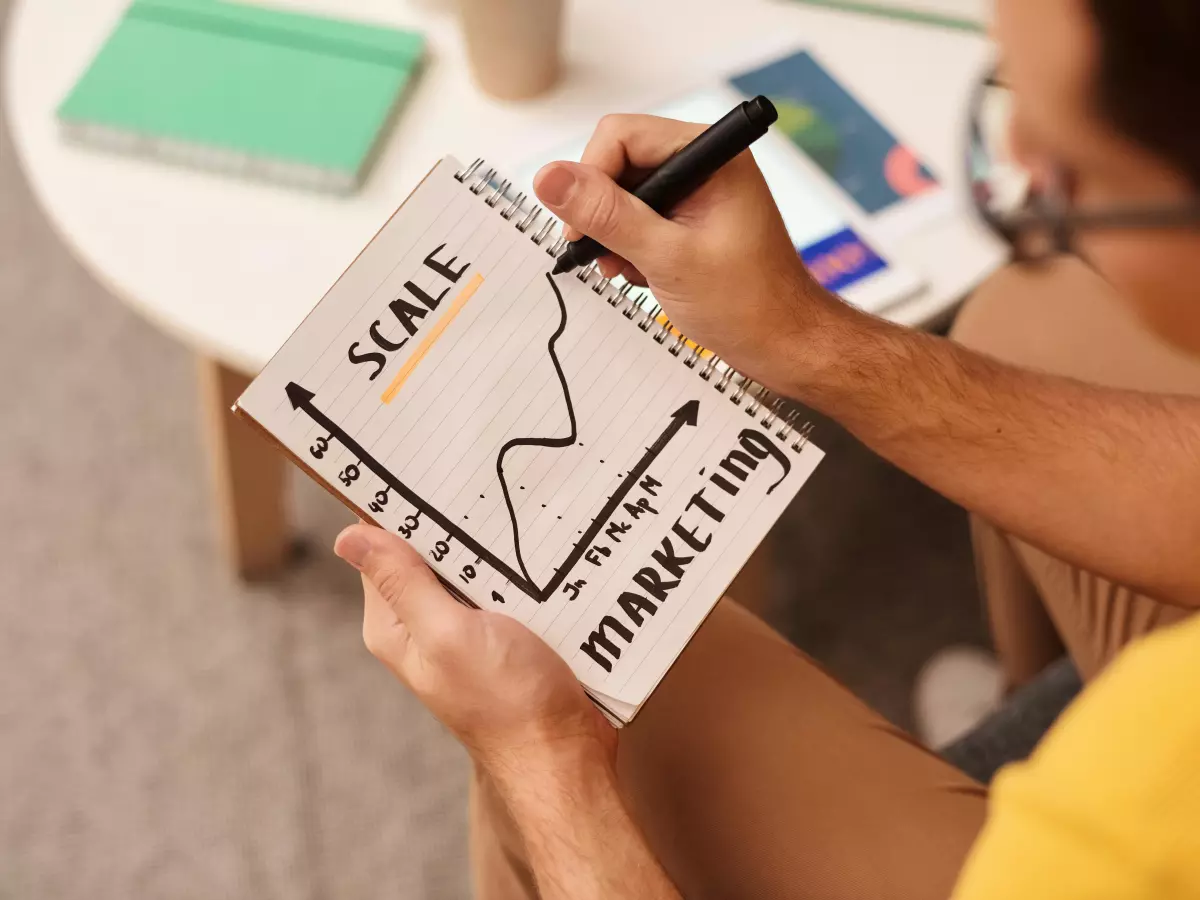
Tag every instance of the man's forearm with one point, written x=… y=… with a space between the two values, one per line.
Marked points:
x=581 y=841
x=1106 y=479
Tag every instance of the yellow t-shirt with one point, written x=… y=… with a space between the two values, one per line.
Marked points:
x=1109 y=805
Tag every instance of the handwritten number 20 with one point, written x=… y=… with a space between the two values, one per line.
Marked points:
x=349 y=474
x=439 y=551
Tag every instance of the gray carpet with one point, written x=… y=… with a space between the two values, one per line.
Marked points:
x=167 y=732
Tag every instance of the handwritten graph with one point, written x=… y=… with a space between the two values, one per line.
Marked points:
x=687 y=415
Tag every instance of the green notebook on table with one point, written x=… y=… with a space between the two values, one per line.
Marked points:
x=278 y=95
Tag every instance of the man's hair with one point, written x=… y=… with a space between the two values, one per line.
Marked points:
x=1148 y=79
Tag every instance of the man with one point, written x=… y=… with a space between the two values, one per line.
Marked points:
x=766 y=779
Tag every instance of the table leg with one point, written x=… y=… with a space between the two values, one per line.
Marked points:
x=248 y=477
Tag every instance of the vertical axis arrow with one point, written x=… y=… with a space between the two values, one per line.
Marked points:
x=302 y=399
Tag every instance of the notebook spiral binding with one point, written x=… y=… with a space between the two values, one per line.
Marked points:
x=534 y=221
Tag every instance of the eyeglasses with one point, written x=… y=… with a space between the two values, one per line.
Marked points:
x=1039 y=220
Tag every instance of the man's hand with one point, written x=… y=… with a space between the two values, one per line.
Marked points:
x=722 y=265
x=502 y=691
x=522 y=716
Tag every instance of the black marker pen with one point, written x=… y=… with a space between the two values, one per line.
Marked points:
x=686 y=170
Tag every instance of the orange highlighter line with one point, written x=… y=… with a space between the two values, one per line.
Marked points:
x=453 y=310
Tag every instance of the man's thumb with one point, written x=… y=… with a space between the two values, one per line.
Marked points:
x=397 y=572
x=588 y=200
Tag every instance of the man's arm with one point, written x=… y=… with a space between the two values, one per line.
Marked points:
x=1108 y=480
x=1104 y=478
x=581 y=841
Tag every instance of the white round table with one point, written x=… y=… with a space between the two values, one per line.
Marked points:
x=231 y=266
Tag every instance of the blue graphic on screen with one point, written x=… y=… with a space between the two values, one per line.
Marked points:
x=840 y=260
x=832 y=128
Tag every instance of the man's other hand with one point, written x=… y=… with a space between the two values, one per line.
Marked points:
x=505 y=694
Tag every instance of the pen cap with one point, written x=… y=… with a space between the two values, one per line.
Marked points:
x=761 y=112
x=713 y=148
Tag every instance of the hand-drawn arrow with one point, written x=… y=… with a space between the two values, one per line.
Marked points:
x=303 y=399
x=688 y=414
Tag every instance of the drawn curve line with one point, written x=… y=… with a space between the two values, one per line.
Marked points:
x=539 y=442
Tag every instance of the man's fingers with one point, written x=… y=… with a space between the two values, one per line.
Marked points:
x=589 y=201
x=623 y=142
x=401 y=577
x=611 y=265
x=633 y=276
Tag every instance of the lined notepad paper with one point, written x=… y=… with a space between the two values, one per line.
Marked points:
x=550 y=458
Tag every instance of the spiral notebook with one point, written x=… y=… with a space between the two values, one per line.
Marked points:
x=554 y=448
